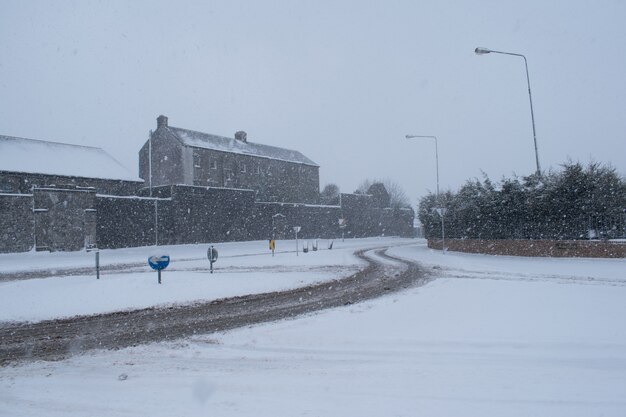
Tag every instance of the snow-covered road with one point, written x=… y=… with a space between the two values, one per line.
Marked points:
x=60 y=338
x=242 y=268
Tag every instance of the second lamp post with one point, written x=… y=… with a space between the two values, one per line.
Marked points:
x=441 y=211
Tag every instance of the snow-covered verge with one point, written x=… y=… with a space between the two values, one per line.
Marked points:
x=470 y=345
x=59 y=261
x=242 y=268
x=467 y=265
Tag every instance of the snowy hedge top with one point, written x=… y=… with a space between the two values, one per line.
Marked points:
x=224 y=144
x=52 y=158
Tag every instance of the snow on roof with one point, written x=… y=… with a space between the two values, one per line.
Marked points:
x=53 y=158
x=224 y=144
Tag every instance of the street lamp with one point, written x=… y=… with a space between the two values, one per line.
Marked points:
x=440 y=210
x=483 y=51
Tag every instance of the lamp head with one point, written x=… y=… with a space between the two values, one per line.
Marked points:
x=481 y=51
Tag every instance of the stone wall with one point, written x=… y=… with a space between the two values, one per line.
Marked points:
x=64 y=218
x=359 y=212
x=315 y=221
x=200 y=214
x=127 y=221
x=396 y=222
x=364 y=218
x=73 y=219
x=548 y=248
x=16 y=223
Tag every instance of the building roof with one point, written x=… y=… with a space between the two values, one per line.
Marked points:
x=224 y=144
x=53 y=158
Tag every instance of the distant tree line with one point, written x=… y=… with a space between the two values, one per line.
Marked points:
x=577 y=202
x=386 y=193
x=397 y=196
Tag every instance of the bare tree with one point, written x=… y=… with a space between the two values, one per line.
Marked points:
x=398 y=197
x=330 y=194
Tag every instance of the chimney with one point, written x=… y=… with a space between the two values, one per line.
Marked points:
x=161 y=121
x=242 y=136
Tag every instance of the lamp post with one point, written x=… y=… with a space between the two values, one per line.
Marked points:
x=440 y=210
x=483 y=51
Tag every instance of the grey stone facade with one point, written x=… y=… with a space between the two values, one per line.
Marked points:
x=64 y=219
x=50 y=219
x=128 y=221
x=16 y=223
x=178 y=156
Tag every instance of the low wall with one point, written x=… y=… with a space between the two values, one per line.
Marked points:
x=127 y=221
x=16 y=223
x=316 y=221
x=65 y=218
x=203 y=215
x=547 y=248
x=76 y=218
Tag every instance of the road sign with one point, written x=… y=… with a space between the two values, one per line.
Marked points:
x=211 y=254
x=159 y=263
x=297 y=229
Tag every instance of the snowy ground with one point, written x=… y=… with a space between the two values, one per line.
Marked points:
x=242 y=268
x=493 y=336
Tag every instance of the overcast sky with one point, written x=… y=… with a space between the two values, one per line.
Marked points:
x=341 y=81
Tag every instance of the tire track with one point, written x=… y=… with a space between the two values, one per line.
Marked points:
x=57 y=339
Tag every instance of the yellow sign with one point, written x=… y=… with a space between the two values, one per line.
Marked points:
x=272 y=244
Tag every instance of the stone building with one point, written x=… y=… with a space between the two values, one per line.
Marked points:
x=204 y=188
x=27 y=163
x=175 y=156
x=48 y=193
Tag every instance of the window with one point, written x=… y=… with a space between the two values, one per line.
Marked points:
x=242 y=167
x=258 y=169
x=213 y=163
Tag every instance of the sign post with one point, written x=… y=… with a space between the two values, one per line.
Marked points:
x=98 y=264
x=441 y=211
x=159 y=263
x=342 y=226
x=297 y=229
x=211 y=253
